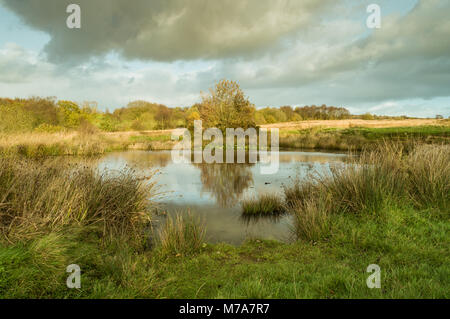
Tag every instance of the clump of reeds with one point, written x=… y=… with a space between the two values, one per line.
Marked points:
x=37 y=196
x=368 y=181
x=264 y=205
x=311 y=219
x=389 y=174
x=182 y=234
x=429 y=176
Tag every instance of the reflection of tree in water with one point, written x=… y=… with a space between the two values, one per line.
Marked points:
x=145 y=160
x=226 y=182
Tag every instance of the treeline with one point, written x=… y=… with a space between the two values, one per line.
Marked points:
x=50 y=115
x=289 y=114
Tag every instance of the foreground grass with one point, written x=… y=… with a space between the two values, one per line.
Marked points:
x=410 y=247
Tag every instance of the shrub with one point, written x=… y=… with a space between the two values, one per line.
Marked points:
x=87 y=128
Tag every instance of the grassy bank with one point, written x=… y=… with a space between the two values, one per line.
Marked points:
x=390 y=208
x=86 y=142
x=358 y=138
x=410 y=247
x=371 y=185
x=79 y=143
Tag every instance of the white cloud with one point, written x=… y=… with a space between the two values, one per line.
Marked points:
x=30 y=74
x=19 y=66
x=386 y=106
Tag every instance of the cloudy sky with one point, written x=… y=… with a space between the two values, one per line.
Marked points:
x=282 y=52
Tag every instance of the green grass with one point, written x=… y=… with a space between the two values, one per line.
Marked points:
x=358 y=138
x=150 y=138
x=399 y=132
x=410 y=246
x=264 y=205
x=378 y=180
x=412 y=265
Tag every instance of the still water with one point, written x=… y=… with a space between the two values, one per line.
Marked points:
x=213 y=192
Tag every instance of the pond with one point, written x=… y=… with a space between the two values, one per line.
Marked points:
x=214 y=192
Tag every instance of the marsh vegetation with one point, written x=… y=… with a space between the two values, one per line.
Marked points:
x=389 y=206
x=263 y=205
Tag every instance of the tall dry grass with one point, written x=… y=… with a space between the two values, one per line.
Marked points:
x=311 y=220
x=429 y=176
x=37 y=145
x=87 y=141
x=38 y=196
x=182 y=234
x=391 y=174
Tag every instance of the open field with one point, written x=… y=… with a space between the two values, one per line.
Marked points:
x=300 y=125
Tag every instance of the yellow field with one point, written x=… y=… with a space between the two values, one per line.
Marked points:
x=356 y=123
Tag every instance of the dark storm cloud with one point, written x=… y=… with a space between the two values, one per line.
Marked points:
x=166 y=30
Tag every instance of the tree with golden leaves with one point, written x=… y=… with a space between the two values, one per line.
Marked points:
x=226 y=106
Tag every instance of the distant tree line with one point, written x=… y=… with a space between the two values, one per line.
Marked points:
x=49 y=115
x=288 y=114
x=224 y=106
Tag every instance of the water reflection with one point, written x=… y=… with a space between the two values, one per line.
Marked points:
x=213 y=192
x=252 y=219
x=144 y=160
x=226 y=182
